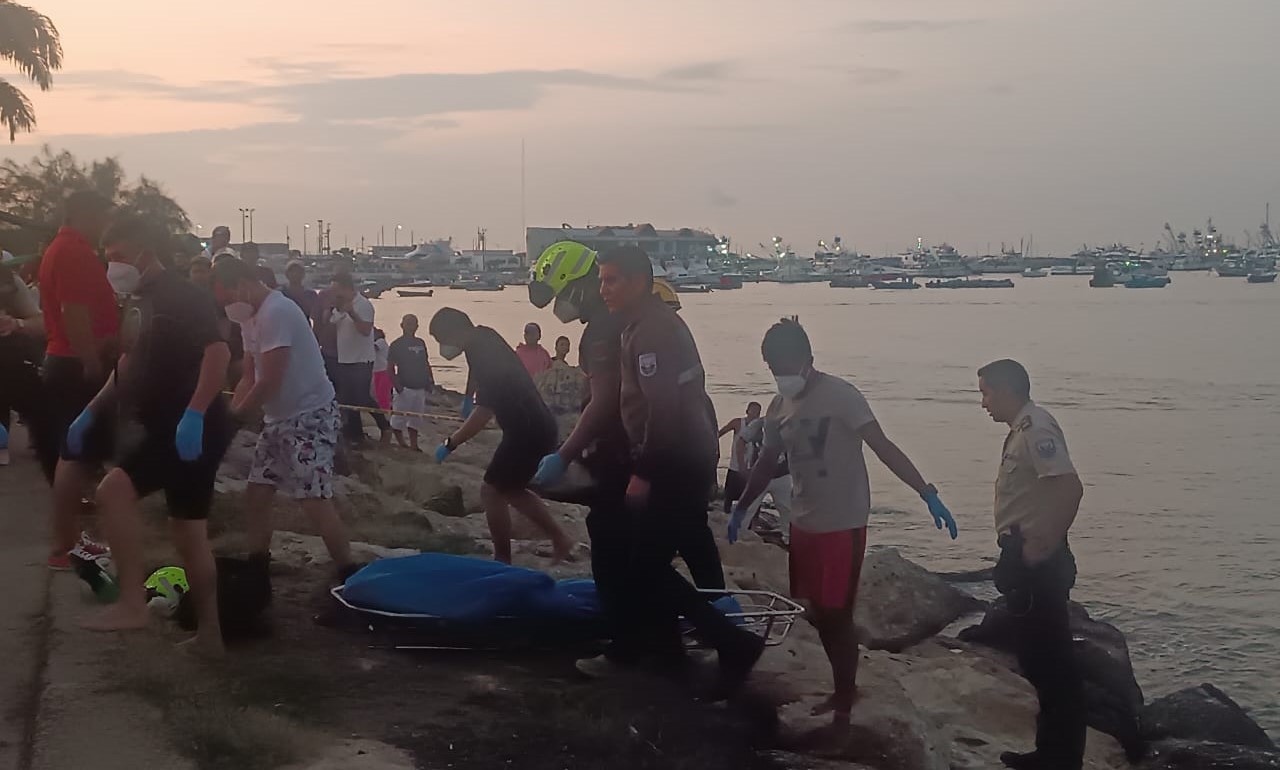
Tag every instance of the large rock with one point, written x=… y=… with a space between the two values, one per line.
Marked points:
x=1191 y=755
x=1113 y=697
x=901 y=603
x=1202 y=713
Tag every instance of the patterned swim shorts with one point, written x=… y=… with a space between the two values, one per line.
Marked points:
x=296 y=455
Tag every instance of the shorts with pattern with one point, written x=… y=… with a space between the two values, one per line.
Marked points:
x=296 y=455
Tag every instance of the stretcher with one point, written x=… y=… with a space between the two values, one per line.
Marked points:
x=537 y=614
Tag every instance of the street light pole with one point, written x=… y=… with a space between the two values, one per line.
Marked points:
x=251 y=223
x=397 y=235
x=244 y=218
x=306 y=228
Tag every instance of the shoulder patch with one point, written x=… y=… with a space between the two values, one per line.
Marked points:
x=1047 y=448
x=648 y=364
x=1024 y=423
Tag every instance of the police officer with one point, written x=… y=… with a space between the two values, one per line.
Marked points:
x=671 y=429
x=1037 y=497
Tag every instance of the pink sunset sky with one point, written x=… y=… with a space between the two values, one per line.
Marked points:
x=967 y=121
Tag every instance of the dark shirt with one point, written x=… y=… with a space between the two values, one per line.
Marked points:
x=668 y=416
x=503 y=385
x=326 y=330
x=303 y=298
x=407 y=361
x=165 y=333
x=600 y=351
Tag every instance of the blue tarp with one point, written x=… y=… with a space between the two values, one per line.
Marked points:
x=461 y=588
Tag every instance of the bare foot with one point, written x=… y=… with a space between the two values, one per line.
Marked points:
x=207 y=646
x=562 y=552
x=838 y=706
x=117 y=617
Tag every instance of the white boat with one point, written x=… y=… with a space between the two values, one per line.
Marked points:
x=1034 y=272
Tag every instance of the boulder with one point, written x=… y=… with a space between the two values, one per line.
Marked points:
x=1113 y=697
x=1193 y=755
x=295 y=550
x=901 y=603
x=1202 y=713
x=448 y=502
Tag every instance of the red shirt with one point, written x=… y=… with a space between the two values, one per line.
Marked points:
x=535 y=358
x=70 y=272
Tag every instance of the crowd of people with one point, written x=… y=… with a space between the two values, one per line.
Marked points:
x=140 y=388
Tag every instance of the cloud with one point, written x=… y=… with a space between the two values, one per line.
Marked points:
x=722 y=69
x=307 y=70
x=721 y=199
x=884 y=26
x=875 y=76
x=401 y=96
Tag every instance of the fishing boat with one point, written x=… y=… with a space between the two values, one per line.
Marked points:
x=905 y=282
x=849 y=281
x=415 y=292
x=1102 y=278
x=1262 y=276
x=693 y=288
x=1034 y=272
x=1147 y=282
x=971 y=283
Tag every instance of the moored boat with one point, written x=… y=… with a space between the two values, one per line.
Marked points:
x=1147 y=282
x=1262 y=276
x=415 y=292
x=905 y=282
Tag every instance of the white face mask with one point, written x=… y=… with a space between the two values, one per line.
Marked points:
x=790 y=385
x=239 y=312
x=565 y=310
x=450 y=352
x=123 y=277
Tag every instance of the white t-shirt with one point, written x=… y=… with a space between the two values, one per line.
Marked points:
x=820 y=432
x=380 y=350
x=354 y=347
x=280 y=323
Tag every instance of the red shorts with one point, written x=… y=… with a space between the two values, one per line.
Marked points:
x=826 y=567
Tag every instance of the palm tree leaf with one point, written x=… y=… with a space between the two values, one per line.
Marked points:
x=15 y=110
x=30 y=41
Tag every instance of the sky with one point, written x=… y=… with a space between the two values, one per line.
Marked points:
x=972 y=122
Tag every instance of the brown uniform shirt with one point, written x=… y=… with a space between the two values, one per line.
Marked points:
x=668 y=417
x=1034 y=449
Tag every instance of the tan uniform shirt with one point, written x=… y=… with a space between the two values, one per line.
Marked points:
x=1034 y=449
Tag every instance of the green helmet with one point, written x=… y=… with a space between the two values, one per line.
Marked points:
x=559 y=265
x=165 y=589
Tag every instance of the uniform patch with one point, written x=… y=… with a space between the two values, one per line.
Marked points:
x=648 y=363
x=1024 y=423
x=1047 y=448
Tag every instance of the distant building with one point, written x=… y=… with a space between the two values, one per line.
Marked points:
x=661 y=245
x=489 y=259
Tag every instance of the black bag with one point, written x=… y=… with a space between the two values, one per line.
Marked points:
x=244 y=593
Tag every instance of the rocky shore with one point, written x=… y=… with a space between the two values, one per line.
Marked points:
x=930 y=698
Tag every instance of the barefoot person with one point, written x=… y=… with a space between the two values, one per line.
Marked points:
x=503 y=391
x=284 y=377
x=821 y=423
x=739 y=464
x=411 y=380
x=1037 y=498
x=174 y=426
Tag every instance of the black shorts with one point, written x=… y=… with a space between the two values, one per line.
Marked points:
x=516 y=458
x=153 y=465
x=734 y=485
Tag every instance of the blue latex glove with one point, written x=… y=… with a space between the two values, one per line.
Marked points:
x=736 y=520
x=550 y=470
x=4 y=437
x=468 y=406
x=941 y=515
x=189 y=438
x=442 y=453
x=77 y=432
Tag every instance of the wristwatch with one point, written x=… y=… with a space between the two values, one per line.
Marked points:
x=449 y=443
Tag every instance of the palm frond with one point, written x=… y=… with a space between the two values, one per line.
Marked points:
x=30 y=41
x=15 y=110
